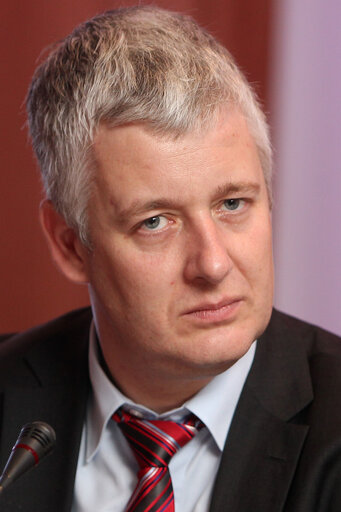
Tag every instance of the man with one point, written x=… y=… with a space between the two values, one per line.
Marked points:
x=156 y=162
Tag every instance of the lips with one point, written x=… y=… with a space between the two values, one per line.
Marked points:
x=215 y=311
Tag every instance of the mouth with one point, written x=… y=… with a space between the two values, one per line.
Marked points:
x=217 y=312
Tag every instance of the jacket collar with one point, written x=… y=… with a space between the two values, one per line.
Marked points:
x=263 y=446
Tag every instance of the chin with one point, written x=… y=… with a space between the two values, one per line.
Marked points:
x=216 y=353
x=229 y=343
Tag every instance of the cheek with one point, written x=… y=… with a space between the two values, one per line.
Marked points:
x=256 y=260
x=264 y=271
x=130 y=275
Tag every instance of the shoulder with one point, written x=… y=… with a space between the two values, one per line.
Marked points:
x=66 y=325
x=60 y=340
x=298 y=358
x=320 y=349
x=303 y=335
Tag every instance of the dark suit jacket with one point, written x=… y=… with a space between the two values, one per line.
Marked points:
x=283 y=451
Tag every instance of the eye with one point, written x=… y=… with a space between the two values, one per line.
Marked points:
x=233 y=204
x=154 y=223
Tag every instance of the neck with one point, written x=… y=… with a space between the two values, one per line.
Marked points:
x=169 y=395
x=157 y=392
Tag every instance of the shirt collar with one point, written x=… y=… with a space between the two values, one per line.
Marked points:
x=214 y=405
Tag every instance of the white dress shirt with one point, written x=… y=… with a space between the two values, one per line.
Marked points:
x=107 y=469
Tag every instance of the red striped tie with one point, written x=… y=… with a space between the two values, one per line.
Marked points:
x=154 y=442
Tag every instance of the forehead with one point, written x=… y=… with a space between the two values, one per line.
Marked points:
x=137 y=141
x=131 y=159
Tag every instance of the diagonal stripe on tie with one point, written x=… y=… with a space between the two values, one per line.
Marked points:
x=154 y=442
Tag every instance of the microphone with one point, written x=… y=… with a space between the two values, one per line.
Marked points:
x=35 y=440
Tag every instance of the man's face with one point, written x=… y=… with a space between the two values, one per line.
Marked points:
x=181 y=273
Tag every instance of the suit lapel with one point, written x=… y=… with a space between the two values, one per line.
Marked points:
x=56 y=395
x=258 y=461
x=264 y=445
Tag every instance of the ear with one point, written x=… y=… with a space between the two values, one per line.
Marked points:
x=67 y=251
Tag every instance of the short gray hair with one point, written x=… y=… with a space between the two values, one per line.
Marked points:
x=131 y=64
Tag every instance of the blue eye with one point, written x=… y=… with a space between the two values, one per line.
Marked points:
x=233 y=204
x=153 y=223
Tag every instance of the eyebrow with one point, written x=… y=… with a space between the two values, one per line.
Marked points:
x=240 y=187
x=137 y=207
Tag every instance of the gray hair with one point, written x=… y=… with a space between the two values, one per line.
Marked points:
x=131 y=64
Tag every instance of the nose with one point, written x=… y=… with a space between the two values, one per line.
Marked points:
x=208 y=260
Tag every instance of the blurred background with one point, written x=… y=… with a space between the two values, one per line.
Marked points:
x=291 y=51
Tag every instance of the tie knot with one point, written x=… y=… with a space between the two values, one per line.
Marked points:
x=154 y=442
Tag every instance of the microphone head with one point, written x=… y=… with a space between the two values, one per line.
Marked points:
x=35 y=440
